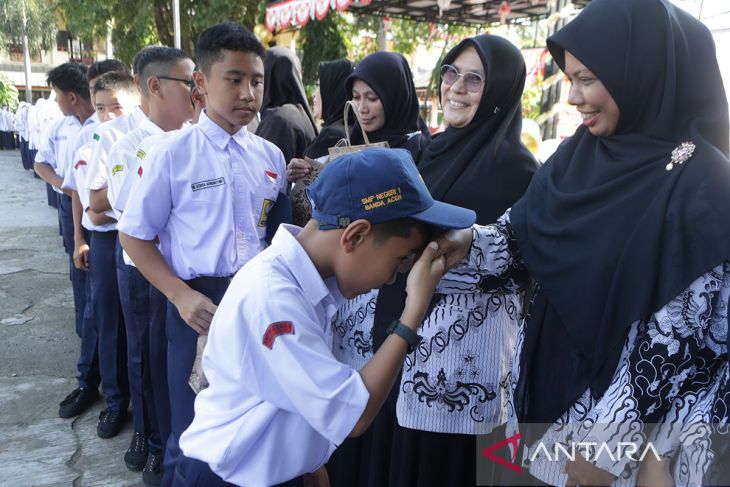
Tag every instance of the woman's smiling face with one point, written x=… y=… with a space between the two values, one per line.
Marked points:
x=595 y=104
x=459 y=104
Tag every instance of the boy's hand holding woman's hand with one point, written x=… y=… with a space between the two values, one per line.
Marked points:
x=435 y=260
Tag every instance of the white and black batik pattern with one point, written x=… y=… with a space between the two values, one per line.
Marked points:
x=660 y=356
x=683 y=341
x=457 y=380
x=352 y=328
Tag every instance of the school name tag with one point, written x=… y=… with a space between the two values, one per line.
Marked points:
x=211 y=183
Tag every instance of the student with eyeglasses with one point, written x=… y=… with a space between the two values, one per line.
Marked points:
x=164 y=78
x=454 y=386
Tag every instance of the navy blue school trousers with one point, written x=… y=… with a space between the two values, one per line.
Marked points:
x=194 y=473
x=134 y=292
x=158 y=363
x=181 y=348
x=77 y=276
x=107 y=314
x=87 y=366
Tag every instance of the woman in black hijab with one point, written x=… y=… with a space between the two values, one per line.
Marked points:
x=286 y=120
x=382 y=87
x=625 y=233
x=333 y=95
x=479 y=162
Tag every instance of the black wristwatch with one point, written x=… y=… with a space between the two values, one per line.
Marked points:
x=412 y=338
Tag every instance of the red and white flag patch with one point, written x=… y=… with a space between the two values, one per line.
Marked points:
x=272 y=176
x=276 y=329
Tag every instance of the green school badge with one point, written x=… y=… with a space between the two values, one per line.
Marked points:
x=96 y=136
x=141 y=154
x=117 y=168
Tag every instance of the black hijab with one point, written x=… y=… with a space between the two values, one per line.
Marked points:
x=607 y=232
x=389 y=76
x=484 y=166
x=286 y=119
x=332 y=76
x=283 y=82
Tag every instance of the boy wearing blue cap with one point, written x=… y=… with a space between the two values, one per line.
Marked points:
x=279 y=403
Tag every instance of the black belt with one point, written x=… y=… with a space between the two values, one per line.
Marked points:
x=110 y=235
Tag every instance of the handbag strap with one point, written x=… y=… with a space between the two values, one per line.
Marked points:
x=350 y=105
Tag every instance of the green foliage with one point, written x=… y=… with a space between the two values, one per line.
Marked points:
x=87 y=20
x=139 y=23
x=531 y=98
x=320 y=41
x=8 y=93
x=133 y=29
x=405 y=35
x=40 y=21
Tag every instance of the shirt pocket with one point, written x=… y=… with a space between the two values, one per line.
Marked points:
x=263 y=199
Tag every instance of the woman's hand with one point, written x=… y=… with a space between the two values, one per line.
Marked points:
x=297 y=169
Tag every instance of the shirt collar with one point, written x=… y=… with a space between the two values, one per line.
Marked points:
x=137 y=115
x=300 y=264
x=150 y=127
x=219 y=136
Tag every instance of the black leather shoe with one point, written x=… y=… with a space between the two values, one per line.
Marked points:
x=110 y=423
x=77 y=402
x=136 y=455
x=152 y=473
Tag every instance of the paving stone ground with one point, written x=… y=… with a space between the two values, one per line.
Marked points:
x=38 y=351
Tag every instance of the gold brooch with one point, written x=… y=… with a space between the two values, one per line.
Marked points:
x=681 y=154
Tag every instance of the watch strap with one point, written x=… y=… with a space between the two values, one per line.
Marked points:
x=412 y=338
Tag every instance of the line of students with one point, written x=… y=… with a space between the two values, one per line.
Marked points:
x=8 y=129
x=192 y=207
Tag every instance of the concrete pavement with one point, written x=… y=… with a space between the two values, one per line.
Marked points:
x=38 y=351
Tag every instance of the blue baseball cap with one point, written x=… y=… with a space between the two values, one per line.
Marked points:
x=379 y=185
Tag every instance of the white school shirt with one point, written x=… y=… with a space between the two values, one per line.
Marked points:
x=56 y=148
x=207 y=195
x=4 y=127
x=21 y=120
x=279 y=403
x=105 y=137
x=77 y=175
x=122 y=160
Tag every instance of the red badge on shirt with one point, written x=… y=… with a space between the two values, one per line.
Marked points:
x=276 y=329
x=140 y=171
x=80 y=163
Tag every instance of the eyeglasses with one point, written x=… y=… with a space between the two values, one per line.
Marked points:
x=190 y=83
x=472 y=81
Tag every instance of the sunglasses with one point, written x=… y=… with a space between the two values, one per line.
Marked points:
x=472 y=81
x=190 y=83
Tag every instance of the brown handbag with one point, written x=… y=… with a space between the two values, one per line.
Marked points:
x=301 y=209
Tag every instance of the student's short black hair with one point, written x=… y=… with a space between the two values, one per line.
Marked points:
x=70 y=77
x=117 y=81
x=401 y=227
x=105 y=66
x=154 y=61
x=224 y=36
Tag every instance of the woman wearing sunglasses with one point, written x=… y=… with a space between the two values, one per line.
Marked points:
x=624 y=232
x=455 y=385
